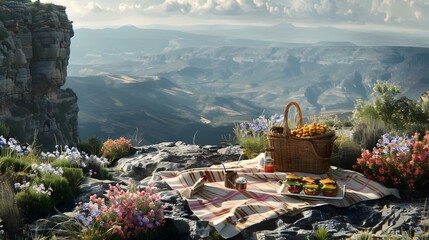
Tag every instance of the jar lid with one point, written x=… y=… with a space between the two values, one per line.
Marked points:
x=241 y=180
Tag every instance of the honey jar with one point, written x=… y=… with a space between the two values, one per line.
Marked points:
x=269 y=161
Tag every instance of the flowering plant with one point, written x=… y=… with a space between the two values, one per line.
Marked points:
x=128 y=214
x=115 y=149
x=397 y=162
x=252 y=135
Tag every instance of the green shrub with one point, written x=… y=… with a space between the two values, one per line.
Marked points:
x=96 y=170
x=345 y=152
x=92 y=146
x=34 y=204
x=14 y=163
x=62 y=191
x=368 y=126
x=321 y=234
x=62 y=163
x=74 y=177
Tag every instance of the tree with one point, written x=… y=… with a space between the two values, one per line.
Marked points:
x=384 y=94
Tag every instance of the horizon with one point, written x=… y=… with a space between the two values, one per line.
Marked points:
x=384 y=16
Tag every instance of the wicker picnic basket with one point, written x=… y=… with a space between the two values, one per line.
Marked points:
x=300 y=154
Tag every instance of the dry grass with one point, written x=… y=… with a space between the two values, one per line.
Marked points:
x=9 y=211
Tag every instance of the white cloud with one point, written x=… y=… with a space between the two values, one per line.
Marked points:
x=96 y=7
x=405 y=13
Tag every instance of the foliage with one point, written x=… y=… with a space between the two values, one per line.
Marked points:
x=137 y=137
x=95 y=169
x=321 y=234
x=92 y=146
x=115 y=149
x=252 y=135
x=35 y=202
x=363 y=236
x=397 y=162
x=8 y=209
x=14 y=163
x=62 y=193
x=400 y=115
x=62 y=163
x=71 y=157
x=368 y=126
x=74 y=177
x=128 y=214
x=345 y=151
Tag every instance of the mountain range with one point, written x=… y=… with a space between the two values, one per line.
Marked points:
x=172 y=84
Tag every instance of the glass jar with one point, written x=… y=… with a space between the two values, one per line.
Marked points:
x=269 y=161
x=241 y=184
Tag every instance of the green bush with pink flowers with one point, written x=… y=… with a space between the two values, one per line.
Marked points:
x=123 y=214
x=115 y=149
x=401 y=162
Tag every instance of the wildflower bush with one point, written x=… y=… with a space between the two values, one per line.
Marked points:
x=130 y=214
x=115 y=149
x=252 y=136
x=400 y=162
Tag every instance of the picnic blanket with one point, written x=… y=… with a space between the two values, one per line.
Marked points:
x=230 y=211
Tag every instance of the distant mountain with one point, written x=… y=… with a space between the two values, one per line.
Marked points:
x=320 y=78
x=116 y=105
x=172 y=83
x=100 y=46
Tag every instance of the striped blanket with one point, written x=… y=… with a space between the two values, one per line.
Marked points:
x=230 y=211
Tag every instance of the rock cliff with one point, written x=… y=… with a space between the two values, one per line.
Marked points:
x=34 y=54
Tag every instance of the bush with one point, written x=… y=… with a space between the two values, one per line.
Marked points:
x=368 y=126
x=400 y=162
x=345 y=152
x=74 y=177
x=95 y=169
x=92 y=146
x=14 y=163
x=128 y=214
x=252 y=135
x=62 y=192
x=35 y=204
x=63 y=163
x=115 y=149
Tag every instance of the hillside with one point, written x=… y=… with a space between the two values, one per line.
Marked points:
x=116 y=105
x=320 y=78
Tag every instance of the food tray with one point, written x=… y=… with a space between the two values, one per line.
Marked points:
x=282 y=189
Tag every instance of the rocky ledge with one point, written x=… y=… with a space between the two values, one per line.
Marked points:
x=378 y=217
x=34 y=53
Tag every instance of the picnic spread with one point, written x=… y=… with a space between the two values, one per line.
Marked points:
x=292 y=175
x=230 y=211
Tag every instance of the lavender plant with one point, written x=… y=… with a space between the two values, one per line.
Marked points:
x=252 y=136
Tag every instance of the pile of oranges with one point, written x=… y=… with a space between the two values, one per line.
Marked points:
x=309 y=130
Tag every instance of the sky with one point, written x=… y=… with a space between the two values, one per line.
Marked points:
x=374 y=15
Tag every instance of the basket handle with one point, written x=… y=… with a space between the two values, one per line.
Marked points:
x=286 y=130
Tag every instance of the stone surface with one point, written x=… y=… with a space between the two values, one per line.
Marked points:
x=34 y=53
x=378 y=217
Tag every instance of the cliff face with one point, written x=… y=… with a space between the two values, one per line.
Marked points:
x=34 y=54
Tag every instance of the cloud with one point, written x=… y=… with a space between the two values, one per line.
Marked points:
x=405 y=13
x=402 y=11
x=96 y=7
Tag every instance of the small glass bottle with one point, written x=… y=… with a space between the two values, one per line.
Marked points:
x=269 y=161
